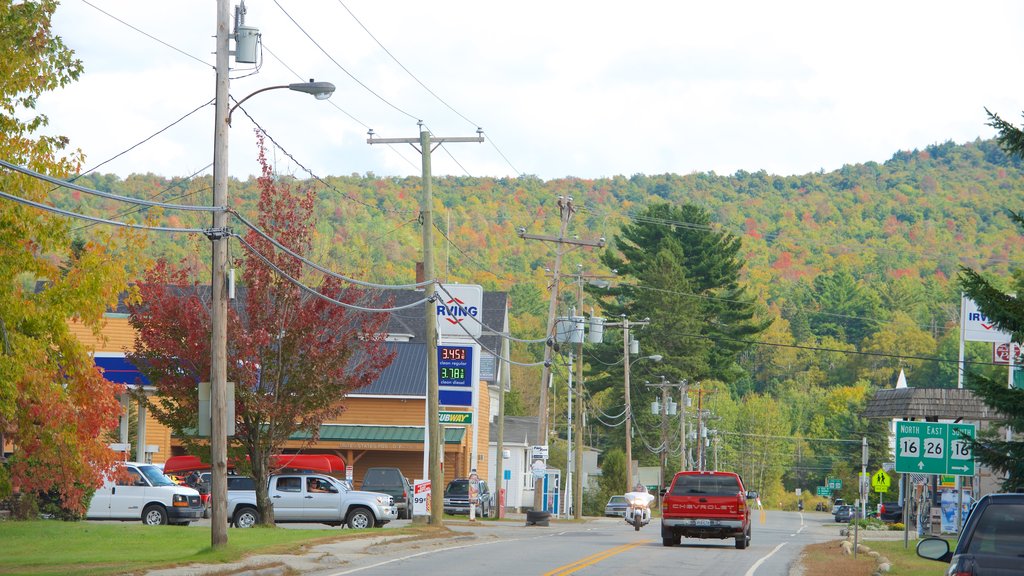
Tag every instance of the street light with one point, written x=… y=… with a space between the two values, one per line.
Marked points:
x=218 y=236
x=629 y=415
x=319 y=90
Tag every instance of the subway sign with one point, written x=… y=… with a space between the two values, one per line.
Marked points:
x=445 y=417
x=458 y=310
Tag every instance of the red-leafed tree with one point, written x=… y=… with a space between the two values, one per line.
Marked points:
x=54 y=404
x=292 y=355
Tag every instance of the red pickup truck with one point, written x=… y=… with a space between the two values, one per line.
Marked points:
x=706 y=505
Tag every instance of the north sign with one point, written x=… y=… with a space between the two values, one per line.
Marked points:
x=934 y=448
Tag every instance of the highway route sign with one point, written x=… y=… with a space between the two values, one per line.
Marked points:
x=934 y=448
x=824 y=491
x=835 y=483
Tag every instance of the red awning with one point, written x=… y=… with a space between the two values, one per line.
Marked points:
x=181 y=464
x=324 y=463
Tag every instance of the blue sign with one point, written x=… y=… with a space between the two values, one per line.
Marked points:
x=507 y=474
x=455 y=366
x=455 y=378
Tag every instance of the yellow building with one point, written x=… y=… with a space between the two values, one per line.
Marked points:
x=383 y=423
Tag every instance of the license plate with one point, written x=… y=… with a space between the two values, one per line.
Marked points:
x=702 y=522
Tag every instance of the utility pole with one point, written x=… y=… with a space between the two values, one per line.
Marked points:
x=625 y=324
x=565 y=211
x=578 y=469
x=665 y=386
x=701 y=456
x=219 y=305
x=435 y=451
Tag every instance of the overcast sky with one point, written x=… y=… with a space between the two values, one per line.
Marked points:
x=560 y=88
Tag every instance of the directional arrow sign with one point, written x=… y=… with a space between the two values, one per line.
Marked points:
x=934 y=448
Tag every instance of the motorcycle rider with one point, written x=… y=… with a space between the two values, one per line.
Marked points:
x=641 y=489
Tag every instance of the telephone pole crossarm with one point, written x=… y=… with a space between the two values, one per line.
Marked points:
x=434 y=450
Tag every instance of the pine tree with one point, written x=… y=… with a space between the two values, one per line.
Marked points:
x=1007 y=313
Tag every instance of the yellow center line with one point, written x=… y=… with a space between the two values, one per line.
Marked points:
x=594 y=559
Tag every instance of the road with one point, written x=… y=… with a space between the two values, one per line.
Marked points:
x=599 y=547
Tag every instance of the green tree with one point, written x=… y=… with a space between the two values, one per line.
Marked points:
x=54 y=404
x=1007 y=313
x=292 y=356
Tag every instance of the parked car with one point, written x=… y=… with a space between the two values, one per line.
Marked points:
x=836 y=504
x=142 y=492
x=616 y=506
x=316 y=498
x=703 y=504
x=890 y=512
x=991 y=542
x=456 y=498
x=390 y=481
x=845 y=513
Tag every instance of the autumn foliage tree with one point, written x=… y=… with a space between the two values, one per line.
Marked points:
x=54 y=404
x=292 y=355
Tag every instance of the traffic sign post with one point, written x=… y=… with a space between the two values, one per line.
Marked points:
x=934 y=448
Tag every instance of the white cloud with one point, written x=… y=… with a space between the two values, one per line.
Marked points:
x=565 y=88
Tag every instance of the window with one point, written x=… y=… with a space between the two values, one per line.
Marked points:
x=712 y=484
x=134 y=478
x=289 y=484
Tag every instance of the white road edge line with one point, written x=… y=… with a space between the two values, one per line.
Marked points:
x=425 y=553
x=762 y=560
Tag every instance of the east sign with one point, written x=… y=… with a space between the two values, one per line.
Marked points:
x=934 y=448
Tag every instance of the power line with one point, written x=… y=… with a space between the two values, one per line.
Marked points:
x=130 y=211
x=340 y=67
x=299 y=284
x=146 y=34
x=331 y=102
x=100 y=220
x=320 y=268
x=66 y=184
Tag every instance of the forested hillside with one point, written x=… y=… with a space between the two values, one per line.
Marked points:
x=860 y=260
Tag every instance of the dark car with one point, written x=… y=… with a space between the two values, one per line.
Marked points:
x=890 y=512
x=456 y=498
x=845 y=513
x=392 y=482
x=991 y=542
x=616 y=506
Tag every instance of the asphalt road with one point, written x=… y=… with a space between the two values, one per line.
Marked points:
x=598 y=547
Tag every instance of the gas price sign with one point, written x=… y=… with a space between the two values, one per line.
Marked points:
x=454 y=365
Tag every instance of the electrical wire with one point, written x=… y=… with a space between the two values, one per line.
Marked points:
x=316 y=293
x=431 y=92
x=340 y=67
x=144 y=140
x=479 y=266
x=130 y=211
x=100 y=220
x=66 y=184
x=318 y=178
x=320 y=268
x=148 y=35
x=339 y=109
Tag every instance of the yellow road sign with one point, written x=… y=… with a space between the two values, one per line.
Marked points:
x=880 y=481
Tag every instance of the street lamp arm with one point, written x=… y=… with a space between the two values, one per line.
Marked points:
x=319 y=90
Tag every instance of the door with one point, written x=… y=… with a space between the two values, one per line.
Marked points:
x=321 y=500
x=99 y=506
x=288 y=498
x=128 y=496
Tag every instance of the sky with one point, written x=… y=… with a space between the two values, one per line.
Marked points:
x=568 y=88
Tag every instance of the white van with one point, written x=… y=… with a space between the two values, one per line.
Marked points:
x=147 y=495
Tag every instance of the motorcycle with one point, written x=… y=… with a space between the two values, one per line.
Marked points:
x=639 y=511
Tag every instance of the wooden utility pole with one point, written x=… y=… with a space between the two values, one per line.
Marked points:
x=625 y=324
x=565 y=211
x=426 y=144
x=665 y=386
x=219 y=304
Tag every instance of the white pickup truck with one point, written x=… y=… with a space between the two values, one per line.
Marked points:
x=313 y=498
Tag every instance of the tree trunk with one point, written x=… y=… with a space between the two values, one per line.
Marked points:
x=260 y=473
